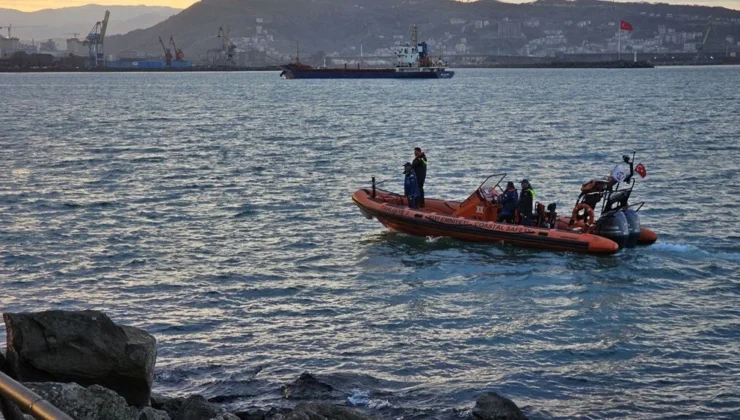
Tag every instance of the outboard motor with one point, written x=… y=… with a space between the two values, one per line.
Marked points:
x=613 y=225
x=633 y=223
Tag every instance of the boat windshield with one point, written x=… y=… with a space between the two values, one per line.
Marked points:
x=495 y=177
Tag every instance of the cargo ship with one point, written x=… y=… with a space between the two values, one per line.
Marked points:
x=412 y=62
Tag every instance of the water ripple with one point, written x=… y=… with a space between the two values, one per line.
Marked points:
x=213 y=210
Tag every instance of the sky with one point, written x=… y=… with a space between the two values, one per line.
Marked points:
x=31 y=5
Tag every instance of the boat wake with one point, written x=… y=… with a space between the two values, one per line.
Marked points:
x=694 y=251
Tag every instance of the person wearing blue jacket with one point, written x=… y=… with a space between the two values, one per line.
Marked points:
x=410 y=186
x=509 y=202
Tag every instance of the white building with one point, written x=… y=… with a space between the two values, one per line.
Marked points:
x=76 y=47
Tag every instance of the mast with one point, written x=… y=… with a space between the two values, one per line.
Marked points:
x=619 y=40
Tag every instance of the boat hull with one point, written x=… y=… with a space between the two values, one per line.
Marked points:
x=646 y=236
x=435 y=219
x=291 y=72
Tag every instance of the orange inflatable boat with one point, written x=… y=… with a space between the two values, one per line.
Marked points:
x=475 y=219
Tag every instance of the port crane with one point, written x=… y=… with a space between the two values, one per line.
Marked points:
x=179 y=55
x=167 y=53
x=11 y=26
x=95 y=42
x=701 y=56
x=227 y=47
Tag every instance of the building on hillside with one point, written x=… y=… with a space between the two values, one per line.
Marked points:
x=8 y=46
x=76 y=47
x=48 y=46
x=509 y=29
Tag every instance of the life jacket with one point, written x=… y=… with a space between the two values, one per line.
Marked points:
x=526 y=201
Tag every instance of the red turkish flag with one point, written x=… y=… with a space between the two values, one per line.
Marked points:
x=624 y=25
x=640 y=169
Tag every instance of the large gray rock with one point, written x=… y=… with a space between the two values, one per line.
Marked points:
x=84 y=347
x=492 y=406
x=148 y=413
x=323 y=411
x=168 y=404
x=308 y=387
x=260 y=414
x=92 y=403
x=198 y=408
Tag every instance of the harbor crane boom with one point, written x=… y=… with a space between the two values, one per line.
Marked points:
x=701 y=56
x=95 y=41
x=179 y=55
x=11 y=26
x=167 y=52
x=227 y=47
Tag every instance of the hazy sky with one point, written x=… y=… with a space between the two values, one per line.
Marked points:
x=30 y=5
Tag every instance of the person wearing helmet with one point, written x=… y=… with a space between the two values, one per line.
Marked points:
x=509 y=202
x=526 y=203
x=411 y=186
x=420 y=168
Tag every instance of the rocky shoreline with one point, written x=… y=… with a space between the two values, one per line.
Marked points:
x=93 y=369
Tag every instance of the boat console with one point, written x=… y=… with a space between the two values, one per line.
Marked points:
x=483 y=204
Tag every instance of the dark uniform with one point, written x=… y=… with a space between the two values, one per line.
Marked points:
x=420 y=168
x=509 y=202
x=526 y=203
x=411 y=186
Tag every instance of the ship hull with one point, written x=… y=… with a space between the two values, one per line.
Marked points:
x=290 y=72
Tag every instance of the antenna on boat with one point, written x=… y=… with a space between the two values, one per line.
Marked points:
x=297 y=53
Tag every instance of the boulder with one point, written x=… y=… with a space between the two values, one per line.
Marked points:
x=492 y=406
x=259 y=414
x=323 y=411
x=85 y=347
x=308 y=387
x=92 y=403
x=198 y=408
x=148 y=413
x=167 y=404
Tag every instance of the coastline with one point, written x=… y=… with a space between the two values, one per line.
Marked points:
x=87 y=366
x=621 y=64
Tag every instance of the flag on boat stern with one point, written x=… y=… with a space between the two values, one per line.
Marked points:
x=640 y=169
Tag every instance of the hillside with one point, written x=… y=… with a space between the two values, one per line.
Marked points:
x=60 y=23
x=484 y=27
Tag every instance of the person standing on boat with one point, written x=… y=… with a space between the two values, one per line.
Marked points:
x=509 y=202
x=411 y=186
x=420 y=168
x=526 y=203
